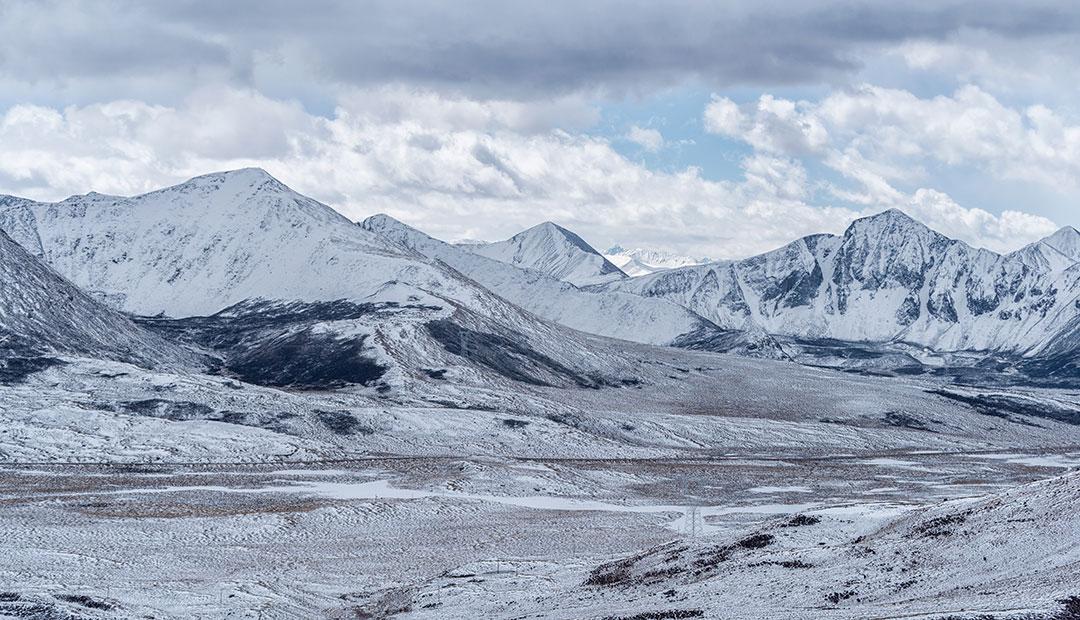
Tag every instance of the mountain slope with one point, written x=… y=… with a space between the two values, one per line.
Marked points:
x=612 y=314
x=888 y=278
x=40 y=312
x=553 y=250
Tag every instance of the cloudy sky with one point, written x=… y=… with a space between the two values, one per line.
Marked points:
x=719 y=129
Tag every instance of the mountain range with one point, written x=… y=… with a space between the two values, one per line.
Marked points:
x=606 y=313
x=889 y=278
x=287 y=292
x=641 y=261
x=238 y=266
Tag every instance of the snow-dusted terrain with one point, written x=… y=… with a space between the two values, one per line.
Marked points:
x=224 y=399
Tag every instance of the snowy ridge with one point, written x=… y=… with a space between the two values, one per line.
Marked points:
x=888 y=278
x=221 y=239
x=224 y=238
x=1065 y=241
x=553 y=250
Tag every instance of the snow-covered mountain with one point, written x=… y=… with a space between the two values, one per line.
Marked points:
x=242 y=241
x=226 y=240
x=606 y=313
x=211 y=242
x=553 y=250
x=641 y=262
x=41 y=312
x=889 y=278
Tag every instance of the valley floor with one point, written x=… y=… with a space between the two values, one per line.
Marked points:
x=447 y=537
x=720 y=487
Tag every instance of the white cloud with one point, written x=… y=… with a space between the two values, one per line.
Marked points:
x=883 y=140
x=899 y=131
x=976 y=226
x=782 y=179
x=772 y=125
x=80 y=52
x=647 y=138
x=1022 y=68
x=454 y=167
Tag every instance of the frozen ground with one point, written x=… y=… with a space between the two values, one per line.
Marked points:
x=131 y=493
x=449 y=537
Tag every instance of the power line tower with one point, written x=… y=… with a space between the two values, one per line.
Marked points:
x=692 y=528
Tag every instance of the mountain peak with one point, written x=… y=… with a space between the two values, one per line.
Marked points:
x=556 y=251
x=396 y=231
x=90 y=197
x=641 y=261
x=1064 y=234
x=891 y=216
x=1066 y=240
x=254 y=173
x=380 y=220
x=552 y=229
x=894 y=224
x=247 y=192
x=250 y=177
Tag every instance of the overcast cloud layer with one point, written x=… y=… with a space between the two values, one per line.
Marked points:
x=477 y=119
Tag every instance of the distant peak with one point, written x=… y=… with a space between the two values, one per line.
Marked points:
x=551 y=228
x=249 y=191
x=91 y=195
x=380 y=218
x=1066 y=240
x=252 y=172
x=893 y=220
x=1065 y=232
x=383 y=223
x=546 y=227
